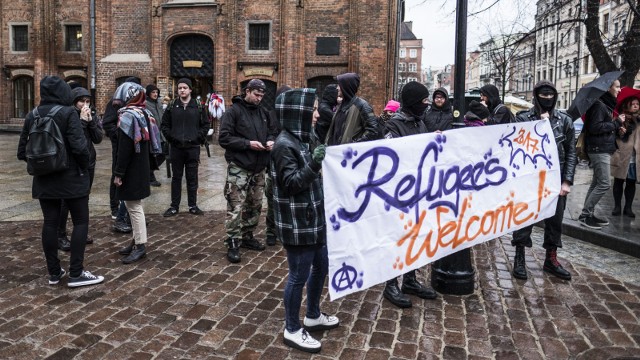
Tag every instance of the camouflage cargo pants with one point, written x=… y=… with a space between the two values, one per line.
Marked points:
x=243 y=191
x=268 y=193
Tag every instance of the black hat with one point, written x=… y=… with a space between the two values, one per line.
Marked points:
x=479 y=110
x=186 y=82
x=150 y=88
x=413 y=92
x=79 y=92
x=256 y=84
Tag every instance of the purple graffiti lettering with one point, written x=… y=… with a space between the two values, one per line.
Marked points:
x=441 y=187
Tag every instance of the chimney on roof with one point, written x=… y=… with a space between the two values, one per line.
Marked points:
x=409 y=25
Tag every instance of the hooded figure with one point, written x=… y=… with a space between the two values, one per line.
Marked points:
x=439 y=117
x=299 y=216
x=70 y=185
x=500 y=114
x=326 y=109
x=477 y=114
x=408 y=120
x=545 y=96
x=90 y=126
x=354 y=120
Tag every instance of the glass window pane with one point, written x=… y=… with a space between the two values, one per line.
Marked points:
x=23 y=96
x=73 y=40
x=259 y=37
x=20 y=38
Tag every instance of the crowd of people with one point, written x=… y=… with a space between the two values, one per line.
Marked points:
x=280 y=154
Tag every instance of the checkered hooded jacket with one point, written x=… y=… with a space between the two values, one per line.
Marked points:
x=297 y=188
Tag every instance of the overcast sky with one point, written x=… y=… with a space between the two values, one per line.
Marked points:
x=434 y=23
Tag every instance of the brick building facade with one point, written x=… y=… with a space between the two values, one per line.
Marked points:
x=219 y=44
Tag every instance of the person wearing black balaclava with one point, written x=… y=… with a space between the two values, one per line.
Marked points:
x=354 y=120
x=545 y=97
x=406 y=122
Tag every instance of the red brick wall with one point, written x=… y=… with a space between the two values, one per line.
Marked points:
x=366 y=29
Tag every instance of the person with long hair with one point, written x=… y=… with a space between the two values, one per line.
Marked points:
x=625 y=161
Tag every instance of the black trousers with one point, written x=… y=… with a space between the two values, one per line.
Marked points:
x=184 y=161
x=79 y=209
x=552 y=229
x=113 y=202
x=64 y=209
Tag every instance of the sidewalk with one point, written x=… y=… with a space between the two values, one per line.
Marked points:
x=622 y=234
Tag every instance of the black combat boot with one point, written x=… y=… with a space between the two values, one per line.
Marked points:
x=127 y=249
x=395 y=296
x=251 y=243
x=411 y=286
x=137 y=253
x=233 y=253
x=519 y=267
x=553 y=267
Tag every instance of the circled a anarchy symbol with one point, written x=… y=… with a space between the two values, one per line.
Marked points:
x=344 y=278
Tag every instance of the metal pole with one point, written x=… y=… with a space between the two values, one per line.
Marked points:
x=454 y=274
x=397 y=55
x=459 y=105
x=93 y=49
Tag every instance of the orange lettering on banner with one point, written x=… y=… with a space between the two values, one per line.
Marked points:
x=455 y=233
x=530 y=144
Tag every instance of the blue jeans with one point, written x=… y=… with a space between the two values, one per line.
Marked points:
x=600 y=182
x=122 y=214
x=310 y=265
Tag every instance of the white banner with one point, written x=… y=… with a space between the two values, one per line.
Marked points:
x=397 y=205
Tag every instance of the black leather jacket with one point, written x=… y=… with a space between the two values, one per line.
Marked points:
x=564 y=133
x=600 y=129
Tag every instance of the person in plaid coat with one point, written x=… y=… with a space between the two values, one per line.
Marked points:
x=299 y=215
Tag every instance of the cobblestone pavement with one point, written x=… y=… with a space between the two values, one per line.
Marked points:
x=184 y=301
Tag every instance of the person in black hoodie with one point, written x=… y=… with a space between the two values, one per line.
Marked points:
x=439 y=116
x=601 y=129
x=406 y=122
x=490 y=97
x=354 y=120
x=93 y=133
x=326 y=109
x=545 y=97
x=185 y=126
x=247 y=133
x=71 y=184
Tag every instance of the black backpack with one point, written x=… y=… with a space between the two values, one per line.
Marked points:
x=45 y=150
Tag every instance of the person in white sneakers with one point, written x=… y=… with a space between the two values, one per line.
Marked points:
x=299 y=215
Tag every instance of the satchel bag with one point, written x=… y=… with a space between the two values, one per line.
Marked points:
x=581 y=148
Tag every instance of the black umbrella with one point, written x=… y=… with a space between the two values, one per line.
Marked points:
x=592 y=92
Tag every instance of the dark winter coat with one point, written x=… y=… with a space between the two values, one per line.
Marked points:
x=354 y=120
x=563 y=131
x=132 y=168
x=155 y=107
x=439 y=118
x=241 y=124
x=601 y=130
x=500 y=114
x=185 y=126
x=297 y=188
x=74 y=181
x=402 y=124
x=110 y=121
x=325 y=109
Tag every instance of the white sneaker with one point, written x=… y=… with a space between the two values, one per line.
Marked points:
x=301 y=340
x=323 y=322
x=85 y=278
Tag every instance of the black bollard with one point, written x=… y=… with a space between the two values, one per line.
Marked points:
x=454 y=274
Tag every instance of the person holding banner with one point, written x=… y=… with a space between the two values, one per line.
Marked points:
x=545 y=97
x=408 y=121
x=299 y=216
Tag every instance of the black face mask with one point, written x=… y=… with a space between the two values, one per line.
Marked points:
x=546 y=104
x=418 y=109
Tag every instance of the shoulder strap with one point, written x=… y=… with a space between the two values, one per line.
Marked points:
x=54 y=110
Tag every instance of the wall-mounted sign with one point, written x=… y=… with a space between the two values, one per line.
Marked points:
x=191 y=64
x=258 y=71
x=21 y=72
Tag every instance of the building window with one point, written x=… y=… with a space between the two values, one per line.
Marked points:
x=605 y=23
x=413 y=53
x=551 y=49
x=413 y=67
x=260 y=36
x=23 y=96
x=551 y=75
x=402 y=66
x=576 y=35
x=403 y=53
x=20 y=38
x=73 y=38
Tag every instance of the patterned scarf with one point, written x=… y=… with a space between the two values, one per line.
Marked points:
x=136 y=121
